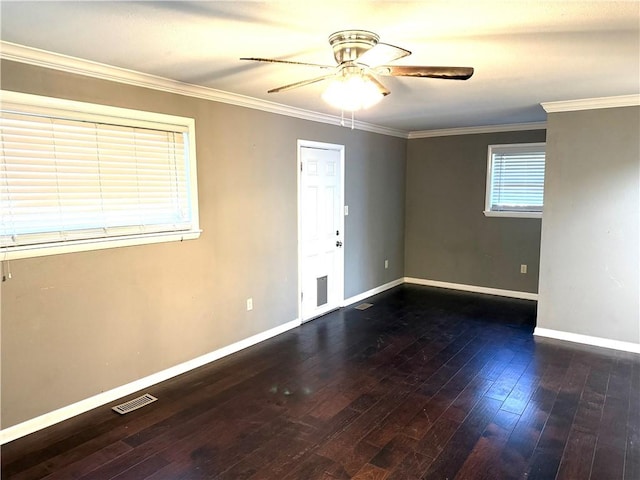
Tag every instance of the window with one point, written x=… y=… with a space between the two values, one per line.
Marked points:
x=76 y=176
x=515 y=180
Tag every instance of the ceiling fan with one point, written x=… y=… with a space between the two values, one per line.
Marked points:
x=360 y=58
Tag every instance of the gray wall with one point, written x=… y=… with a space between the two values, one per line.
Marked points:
x=375 y=224
x=447 y=237
x=78 y=324
x=589 y=279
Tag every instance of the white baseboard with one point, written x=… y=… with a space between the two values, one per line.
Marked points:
x=33 y=425
x=69 y=411
x=373 y=291
x=473 y=288
x=588 y=340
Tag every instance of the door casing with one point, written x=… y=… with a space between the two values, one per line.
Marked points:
x=339 y=274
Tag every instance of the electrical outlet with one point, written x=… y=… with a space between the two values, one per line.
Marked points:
x=523 y=268
x=346 y=210
x=249 y=304
x=386 y=264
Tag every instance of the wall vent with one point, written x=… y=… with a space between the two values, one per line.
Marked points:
x=134 y=404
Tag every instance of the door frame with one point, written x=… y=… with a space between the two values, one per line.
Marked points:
x=340 y=273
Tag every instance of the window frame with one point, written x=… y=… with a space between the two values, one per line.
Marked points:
x=534 y=147
x=70 y=109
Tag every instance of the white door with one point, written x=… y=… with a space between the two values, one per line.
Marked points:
x=321 y=221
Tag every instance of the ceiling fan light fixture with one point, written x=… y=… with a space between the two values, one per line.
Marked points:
x=360 y=59
x=352 y=92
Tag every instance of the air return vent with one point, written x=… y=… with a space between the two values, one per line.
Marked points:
x=364 y=306
x=134 y=404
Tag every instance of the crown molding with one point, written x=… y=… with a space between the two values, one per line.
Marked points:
x=591 y=103
x=513 y=127
x=42 y=58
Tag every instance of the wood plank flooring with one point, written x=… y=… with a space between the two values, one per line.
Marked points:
x=426 y=384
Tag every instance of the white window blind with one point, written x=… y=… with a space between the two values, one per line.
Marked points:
x=66 y=181
x=515 y=179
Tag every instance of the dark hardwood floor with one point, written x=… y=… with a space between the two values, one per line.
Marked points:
x=427 y=383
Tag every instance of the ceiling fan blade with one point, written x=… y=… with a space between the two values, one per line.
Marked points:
x=273 y=60
x=381 y=88
x=300 y=84
x=382 y=53
x=449 y=73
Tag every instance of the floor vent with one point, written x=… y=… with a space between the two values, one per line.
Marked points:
x=364 y=306
x=134 y=404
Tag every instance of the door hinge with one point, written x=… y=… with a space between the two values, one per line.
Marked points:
x=300 y=166
x=301 y=296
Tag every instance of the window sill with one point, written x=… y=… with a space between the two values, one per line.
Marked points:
x=30 y=251
x=512 y=214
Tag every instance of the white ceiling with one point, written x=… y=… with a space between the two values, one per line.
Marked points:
x=524 y=52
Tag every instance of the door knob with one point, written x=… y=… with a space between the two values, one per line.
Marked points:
x=338 y=243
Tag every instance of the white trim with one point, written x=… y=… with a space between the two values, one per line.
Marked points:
x=65 y=63
x=588 y=340
x=592 y=103
x=69 y=411
x=78 y=66
x=74 y=246
x=514 y=127
x=506 y=213
x=370 y=293
x=473 y=288
x=92 y=112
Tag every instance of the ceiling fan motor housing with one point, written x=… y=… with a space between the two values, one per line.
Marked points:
x=348 y=45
